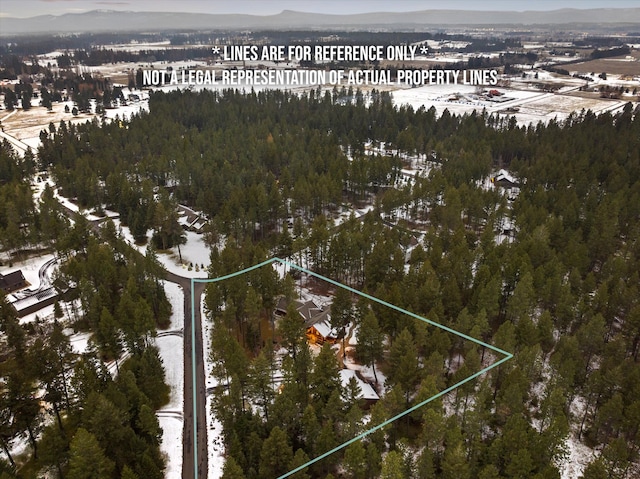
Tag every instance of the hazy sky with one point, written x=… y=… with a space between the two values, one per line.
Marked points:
x=28 y=8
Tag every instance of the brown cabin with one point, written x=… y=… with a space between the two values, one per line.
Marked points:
x=12 y=281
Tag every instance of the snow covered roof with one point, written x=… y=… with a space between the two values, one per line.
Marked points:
x=22 y=304
x=324 y=328
x=503 y=176
x=366 y=390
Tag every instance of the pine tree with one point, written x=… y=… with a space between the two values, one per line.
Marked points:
x=595 y=470
x=291 y=330
x=232 y=470
x=393 y=466
x=370 y=342
x=19 y=397
x=54 y=449
x=325 y=442
x=403 y=361
x=26 y=99
x=87 y=460
x=261 y=384
x=168 y=232
x=425 y=465
x=109 y=336
x=341 y=314
x=299 y=459
x=454 y=461
x=127 y=473
x=53 y=362
x=324 y=378
x=309 y=427
x=276 y=455
x=355 y=460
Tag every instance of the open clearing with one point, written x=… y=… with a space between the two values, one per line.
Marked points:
x=617 y=65
x=562 y=105
x=26 y=125
x=527 y=106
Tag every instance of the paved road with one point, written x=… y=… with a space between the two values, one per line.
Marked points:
x=189 y=451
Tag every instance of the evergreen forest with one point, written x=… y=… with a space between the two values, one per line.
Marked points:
x=78 y=418
x=558 y=288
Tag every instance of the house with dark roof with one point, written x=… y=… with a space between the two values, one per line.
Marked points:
x=12 y=281
x=317 y=320
x=191 y=220
x=35 y=301
x=505 y=180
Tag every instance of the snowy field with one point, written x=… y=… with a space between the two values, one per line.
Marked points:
x=27 y=125
x=22 y=128
x=532 y=106
x=125 y=112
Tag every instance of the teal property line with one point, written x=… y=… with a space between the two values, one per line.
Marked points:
x=194 y=389
x=392 y=306
x=193 y=350
x=365 y=295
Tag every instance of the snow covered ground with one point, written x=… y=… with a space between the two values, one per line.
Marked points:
x=215 y=445
x=577 y=459
x=172 y=444
x=366 y=372
x=79 y=341
x=171 y=348
x=195 y=254
x=30 y=269
x=125 y=112
x=578 y=455
x=532 y=105
x=171 y=352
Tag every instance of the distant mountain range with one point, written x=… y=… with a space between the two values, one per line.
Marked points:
x=107 y=20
